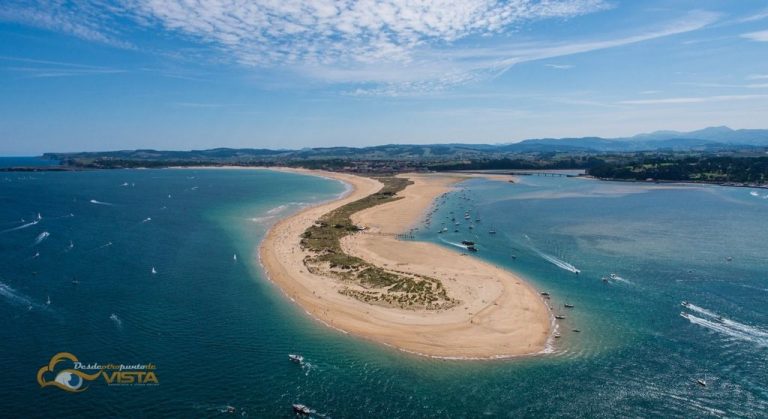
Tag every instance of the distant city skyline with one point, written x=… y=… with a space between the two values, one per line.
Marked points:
x=87 y=75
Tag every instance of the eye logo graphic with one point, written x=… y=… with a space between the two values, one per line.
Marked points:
x=67 y=379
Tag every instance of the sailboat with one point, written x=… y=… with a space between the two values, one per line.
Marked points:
x=48 y=302
x=154 y=271
x=234 y=257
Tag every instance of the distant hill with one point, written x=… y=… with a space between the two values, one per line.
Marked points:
x=713 y=139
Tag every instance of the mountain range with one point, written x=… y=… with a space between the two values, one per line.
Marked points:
x=711 y=139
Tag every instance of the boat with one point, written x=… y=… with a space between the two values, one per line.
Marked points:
x=566 y=305
x=560 y=317
x=514 y=256
x=729 y=258
x=556 y=335
x=234 y=257
x=296 y=358
x=492 y=232
x=154 y=271
x=48 y=302
x=685 y=304
x=546 y=294
x=577 y=330
x=702 y=382
x=301 y=409
x=229 y=409
x=472 y=248
x=467 y=243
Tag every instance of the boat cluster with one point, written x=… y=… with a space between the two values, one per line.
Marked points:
x=559 y=315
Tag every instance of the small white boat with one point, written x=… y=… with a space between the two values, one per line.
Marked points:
x=234 y=257
x=48 y=302
x=702 y=382
x=301 y=409
x=154 y=271
x=296 y=358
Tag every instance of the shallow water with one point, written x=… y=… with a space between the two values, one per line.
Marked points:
x=220 y=333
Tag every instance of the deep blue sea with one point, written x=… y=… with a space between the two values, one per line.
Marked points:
x=219 y=333
x=27 y=162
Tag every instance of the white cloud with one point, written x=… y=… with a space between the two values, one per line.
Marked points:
x=381 y=47
x=760 y=36
x=689 y=100
x=85 y=19
x=559 y=66
x=265 y=32
x=32 y=68
x=755 y=17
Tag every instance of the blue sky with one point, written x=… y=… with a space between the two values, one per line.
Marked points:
x=183 y=74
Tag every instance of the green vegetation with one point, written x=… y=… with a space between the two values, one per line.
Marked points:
x=731 y=170
x=366 y=282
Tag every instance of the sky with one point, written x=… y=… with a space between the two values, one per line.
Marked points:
x=93 y=75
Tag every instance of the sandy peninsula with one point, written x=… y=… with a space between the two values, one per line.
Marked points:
x=500 y=315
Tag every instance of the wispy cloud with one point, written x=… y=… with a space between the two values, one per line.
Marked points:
x=89 y=20
x=760 y=36
x=690 y=100
x=34 y=68
x=441 y=67
x=386 y=47
x=332 y=31
x=559 y=66
x=757 y=16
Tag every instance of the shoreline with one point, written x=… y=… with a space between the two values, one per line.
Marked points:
x=480 y=327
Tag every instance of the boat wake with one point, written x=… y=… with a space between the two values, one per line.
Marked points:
x=116 y=320
x=42 y=236
x=16 y=298
x=732 y=328
x=93 y=201
x=459 y=245
x=21 y=227
x=553 y=260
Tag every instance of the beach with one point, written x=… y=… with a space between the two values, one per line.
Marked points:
x=499 y=314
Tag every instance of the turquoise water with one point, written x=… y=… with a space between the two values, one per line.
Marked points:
x=220 y=333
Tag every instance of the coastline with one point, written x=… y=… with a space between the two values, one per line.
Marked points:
x=500 y=315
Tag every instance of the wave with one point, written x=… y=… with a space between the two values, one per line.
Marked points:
x=726 y=326
x=23 y=226
x=93 y=201
x=277 y=209
x=260 y=220
x=42 y=236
